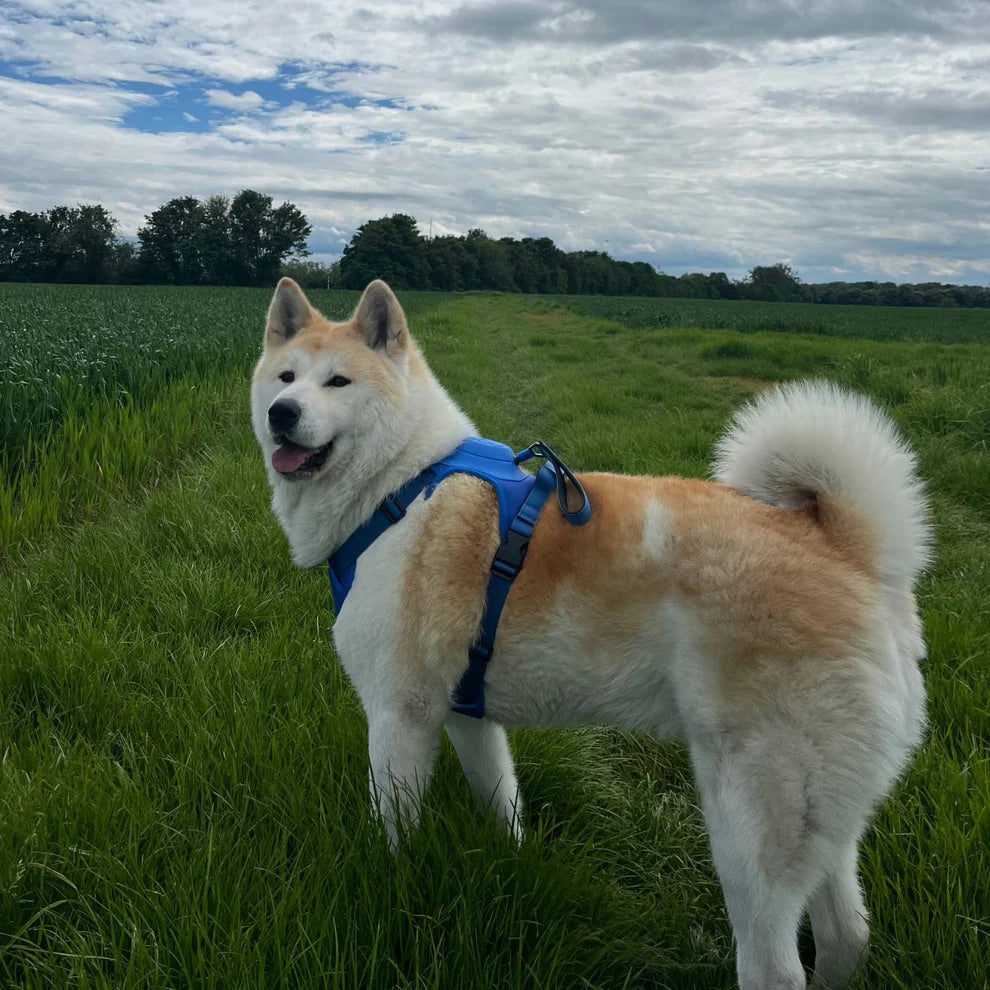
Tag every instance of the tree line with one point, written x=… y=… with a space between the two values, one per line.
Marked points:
x=247 y=240
x=242 y=240
x=394 y=249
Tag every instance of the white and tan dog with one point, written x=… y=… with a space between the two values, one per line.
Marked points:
x=768 y=618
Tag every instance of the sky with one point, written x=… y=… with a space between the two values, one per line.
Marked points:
x=847 y=138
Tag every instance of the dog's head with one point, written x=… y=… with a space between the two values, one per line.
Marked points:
x=326 y=394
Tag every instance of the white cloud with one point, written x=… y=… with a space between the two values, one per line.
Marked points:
x=848 y=140
x=248 y=100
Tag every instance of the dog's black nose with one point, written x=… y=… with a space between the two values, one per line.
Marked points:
x=283 y=415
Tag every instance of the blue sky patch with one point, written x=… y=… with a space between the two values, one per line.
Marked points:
x=201 y=103
x=383 y=137
x=197 y=104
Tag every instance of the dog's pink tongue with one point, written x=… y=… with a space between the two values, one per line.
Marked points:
x=289 y=457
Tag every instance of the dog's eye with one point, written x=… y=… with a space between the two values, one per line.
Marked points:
x=287 y=376
x=338 y=381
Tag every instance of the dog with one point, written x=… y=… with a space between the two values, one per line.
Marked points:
x=767 y=617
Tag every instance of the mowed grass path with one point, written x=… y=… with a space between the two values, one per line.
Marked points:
x=183 y=784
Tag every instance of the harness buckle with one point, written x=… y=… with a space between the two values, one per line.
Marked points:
x=510 y=555
x=391 y=508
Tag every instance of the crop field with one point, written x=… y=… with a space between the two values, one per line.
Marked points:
x=946 y=326
x=183 y=782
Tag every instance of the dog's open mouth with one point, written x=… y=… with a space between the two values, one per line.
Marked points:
x=293 y=461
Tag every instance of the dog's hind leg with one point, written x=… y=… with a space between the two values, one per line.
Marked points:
x=839 y=922
x=403 y=737
x=765 y=849
x=483 y=749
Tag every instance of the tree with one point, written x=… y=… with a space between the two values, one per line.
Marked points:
x=643 y=280
x=242 y=241
x=774 y=283
x=722 y=287
x=390 y=248
x=696 y=286
x=493 y=269
x=126 y=264
x=311 y=274
x=261 y=237
x=452 y=267
x=214 y=241
x=63 y=244
x=170 y=243
x=93 y=233
x=23 y=239
x=59 y=242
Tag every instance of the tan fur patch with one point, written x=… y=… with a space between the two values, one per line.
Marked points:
x=353 y=358
x=764 y=584
x=447 y=572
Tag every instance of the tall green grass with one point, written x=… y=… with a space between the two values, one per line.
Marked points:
x=102 y=387
x=946 y=326
x=66 y=347
x=183 y=781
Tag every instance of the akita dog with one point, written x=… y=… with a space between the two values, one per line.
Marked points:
x=767 y=618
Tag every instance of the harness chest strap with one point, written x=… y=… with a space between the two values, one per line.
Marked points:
x=521 y=498
x=469 y=696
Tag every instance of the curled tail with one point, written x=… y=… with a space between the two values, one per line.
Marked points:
x=812 y=441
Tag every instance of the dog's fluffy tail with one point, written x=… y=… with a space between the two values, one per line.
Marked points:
x=812 y=442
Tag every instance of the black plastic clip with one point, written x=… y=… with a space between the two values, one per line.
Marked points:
x=510 y=555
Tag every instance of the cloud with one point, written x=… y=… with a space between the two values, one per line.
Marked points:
x=840 y=136
x=940 y=108
x=248 y=100
x=596 y=22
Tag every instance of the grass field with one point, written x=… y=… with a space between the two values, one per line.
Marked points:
x=945 y=326
x=183 y=784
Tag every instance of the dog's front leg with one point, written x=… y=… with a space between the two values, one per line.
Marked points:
x=483 y=749
x=403 y=736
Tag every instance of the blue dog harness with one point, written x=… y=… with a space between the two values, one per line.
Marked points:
x=521 y=497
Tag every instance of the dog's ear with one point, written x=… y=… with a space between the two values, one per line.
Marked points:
x=288 y=313
x=380 y=319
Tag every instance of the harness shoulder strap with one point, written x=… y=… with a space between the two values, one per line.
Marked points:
x=390 y=510
x=486 y=459
x=469 y=695
x=521 y=498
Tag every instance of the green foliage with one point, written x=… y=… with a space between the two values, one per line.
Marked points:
x=170 y=243
x=263 y=235
x=313 y=274
x=773 y=283
x=246 y=241
x=394 y=249
x=183 y=788
x=390 y=248
x=64 y=244
x=217 y=241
